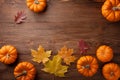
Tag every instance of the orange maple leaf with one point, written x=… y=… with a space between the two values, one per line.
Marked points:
x=41 y=55
x=66 y=55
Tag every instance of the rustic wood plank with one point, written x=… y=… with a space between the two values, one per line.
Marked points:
x=63 y=23
x=56 y=12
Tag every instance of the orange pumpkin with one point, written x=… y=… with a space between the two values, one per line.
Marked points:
x=8 y=54
x=111 y=10
x=25 y=71
x=36 y=5
x=104 y=53
x=111 y=71
x=87 y=65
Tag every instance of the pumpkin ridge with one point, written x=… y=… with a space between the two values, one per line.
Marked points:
x=113 y=3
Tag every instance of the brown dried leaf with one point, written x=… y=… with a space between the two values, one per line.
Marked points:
x=20 y=17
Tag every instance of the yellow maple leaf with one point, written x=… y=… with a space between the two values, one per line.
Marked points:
x=41 y=55
x=66 y=55
x=55 y=67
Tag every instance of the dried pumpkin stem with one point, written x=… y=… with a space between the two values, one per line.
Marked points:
x=7 y=55
x=86 y=66
x=36 y=2
x=21 y=74
x=116 y=8
x=111 y=73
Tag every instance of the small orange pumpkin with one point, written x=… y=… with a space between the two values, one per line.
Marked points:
x=8 y=54
x=87 y=65
x=111 y=10
x=25 y=71
x=104 y=53
x=111 y=71
x=36 y=5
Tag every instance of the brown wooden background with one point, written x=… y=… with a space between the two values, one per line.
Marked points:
x=63 y=23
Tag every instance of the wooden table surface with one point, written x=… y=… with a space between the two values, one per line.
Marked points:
x=62 y=23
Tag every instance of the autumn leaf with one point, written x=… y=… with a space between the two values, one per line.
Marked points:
x=66 y=55
x=41 y=55
x=83 y=46
x=55 y=67
x=20 y=17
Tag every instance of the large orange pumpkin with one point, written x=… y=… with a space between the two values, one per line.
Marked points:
x=87 y=65
x=111 y=10
x=36 y=5
x=25 y=71
x=104 y=53
x=111 y=71
x=8 y=54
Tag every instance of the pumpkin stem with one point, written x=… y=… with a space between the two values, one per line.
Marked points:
x=21 y=74
x=7 y=55
x=117 y=8
x=36 y=2
x=111 y=73
x=86 y=66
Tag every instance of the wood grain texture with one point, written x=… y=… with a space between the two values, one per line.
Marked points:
x=62 y=23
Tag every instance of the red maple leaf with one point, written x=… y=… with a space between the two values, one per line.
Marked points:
x=83 y=46
x=20 y=17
